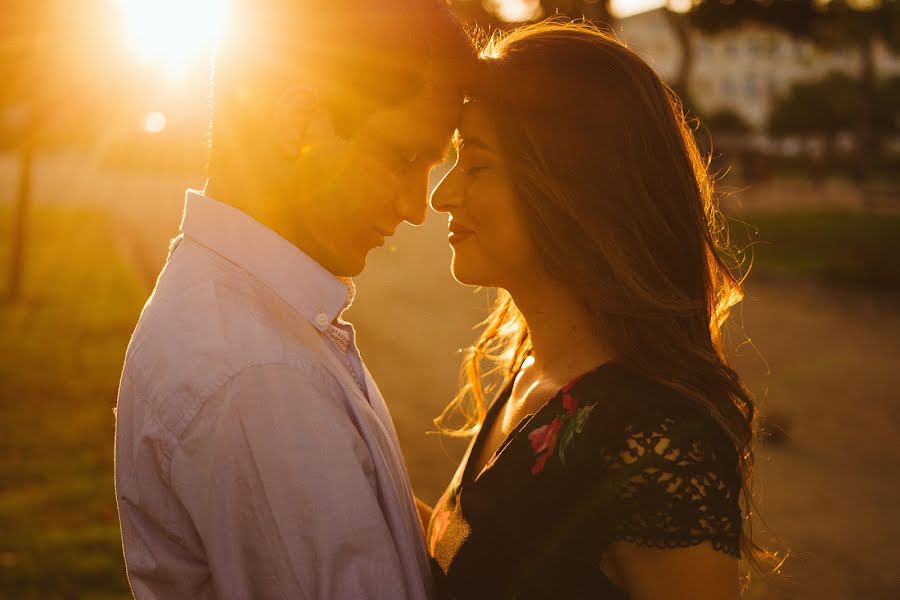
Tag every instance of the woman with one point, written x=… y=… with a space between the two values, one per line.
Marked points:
x=613 y=460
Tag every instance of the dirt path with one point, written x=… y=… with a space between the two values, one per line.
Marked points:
x=831 y=492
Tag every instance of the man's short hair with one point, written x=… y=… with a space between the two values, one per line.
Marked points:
x=361 y=55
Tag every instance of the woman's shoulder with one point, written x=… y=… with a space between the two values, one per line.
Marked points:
x=620 y=392
x=660 y=457
x=625 y=410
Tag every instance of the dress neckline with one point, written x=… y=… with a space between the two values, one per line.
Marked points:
x=500 y=400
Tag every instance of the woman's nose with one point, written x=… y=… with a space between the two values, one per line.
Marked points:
x=448 y=192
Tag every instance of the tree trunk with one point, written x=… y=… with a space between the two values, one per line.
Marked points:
x=20 y=223
x=598 y=12
x=682 y=30
x=865 y=130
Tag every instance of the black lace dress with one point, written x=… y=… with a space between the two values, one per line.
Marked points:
x=611 y=457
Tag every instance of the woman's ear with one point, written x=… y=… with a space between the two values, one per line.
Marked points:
x=301 y=122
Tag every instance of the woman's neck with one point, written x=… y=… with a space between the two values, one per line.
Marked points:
x=565 y=340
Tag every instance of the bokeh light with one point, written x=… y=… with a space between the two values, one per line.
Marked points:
x=154 y=122
x=516 y=11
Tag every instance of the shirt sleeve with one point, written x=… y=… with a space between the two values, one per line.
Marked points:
x=280 y=486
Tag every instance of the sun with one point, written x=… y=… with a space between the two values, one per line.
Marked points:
x=172 y=34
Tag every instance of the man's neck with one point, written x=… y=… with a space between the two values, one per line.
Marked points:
x=267 y=206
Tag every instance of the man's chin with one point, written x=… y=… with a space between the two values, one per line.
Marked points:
x=350 y=266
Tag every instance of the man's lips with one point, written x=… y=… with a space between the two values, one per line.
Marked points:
x=381 y=235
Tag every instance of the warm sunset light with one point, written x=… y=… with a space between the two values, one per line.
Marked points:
x=171 y=34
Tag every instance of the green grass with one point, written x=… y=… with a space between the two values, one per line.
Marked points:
x=856 y=249
x=61 y=350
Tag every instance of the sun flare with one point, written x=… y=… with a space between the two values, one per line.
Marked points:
x=172 y=34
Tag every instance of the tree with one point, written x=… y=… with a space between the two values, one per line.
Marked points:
x=24 y=44
x=828 y=23
x=680 y=24
x=57 y=83
x=817 y=108
x=727 y=122
x=887 y=120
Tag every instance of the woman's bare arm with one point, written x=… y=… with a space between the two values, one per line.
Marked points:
x=697 y=572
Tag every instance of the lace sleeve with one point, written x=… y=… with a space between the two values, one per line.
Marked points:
x=659 y=470
x=674 y=483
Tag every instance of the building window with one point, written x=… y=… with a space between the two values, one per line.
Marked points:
x=704 y=48
x=751 y=86
x=754 y=47
x=731 y=48
x=729 y=89
x=703 y=87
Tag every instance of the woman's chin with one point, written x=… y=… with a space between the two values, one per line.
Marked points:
x=468 y=275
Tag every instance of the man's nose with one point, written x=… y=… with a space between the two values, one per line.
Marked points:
x=412 y=201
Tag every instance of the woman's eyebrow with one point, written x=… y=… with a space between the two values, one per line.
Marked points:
x=474 y=143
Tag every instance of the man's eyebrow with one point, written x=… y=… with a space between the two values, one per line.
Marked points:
x=431 y=153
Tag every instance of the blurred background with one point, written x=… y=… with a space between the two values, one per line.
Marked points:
x=103 y=114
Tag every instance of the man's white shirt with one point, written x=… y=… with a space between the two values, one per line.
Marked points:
x=255 y=457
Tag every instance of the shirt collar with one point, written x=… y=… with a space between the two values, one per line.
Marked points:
x=307 y=286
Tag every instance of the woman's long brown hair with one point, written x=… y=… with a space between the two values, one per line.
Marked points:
x=621 y=209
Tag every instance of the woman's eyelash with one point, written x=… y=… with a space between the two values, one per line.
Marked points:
x=407 y=160
x=475 y=170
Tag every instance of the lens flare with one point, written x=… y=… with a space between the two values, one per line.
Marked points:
x=172 y=34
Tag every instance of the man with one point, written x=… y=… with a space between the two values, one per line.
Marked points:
x=255 y=457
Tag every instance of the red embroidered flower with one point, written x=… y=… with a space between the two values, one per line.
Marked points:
x=569 y=402
x=543 y=441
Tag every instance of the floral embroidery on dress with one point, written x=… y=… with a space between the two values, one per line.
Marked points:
x=562 y=429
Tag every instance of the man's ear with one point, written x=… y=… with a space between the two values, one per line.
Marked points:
x=301 y=122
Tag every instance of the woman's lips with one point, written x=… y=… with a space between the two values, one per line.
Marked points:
x=459 y=232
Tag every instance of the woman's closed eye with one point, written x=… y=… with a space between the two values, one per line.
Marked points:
x=474 y=169
x=404 y=159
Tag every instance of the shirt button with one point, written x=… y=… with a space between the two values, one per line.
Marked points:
x=322 y=320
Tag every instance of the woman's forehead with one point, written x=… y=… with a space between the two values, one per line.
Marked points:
x=475 y=127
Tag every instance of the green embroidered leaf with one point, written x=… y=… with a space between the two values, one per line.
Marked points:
x=581 y=417
x=565 y=437
x=572 y=424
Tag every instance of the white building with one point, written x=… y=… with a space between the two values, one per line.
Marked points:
x=744 y=69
